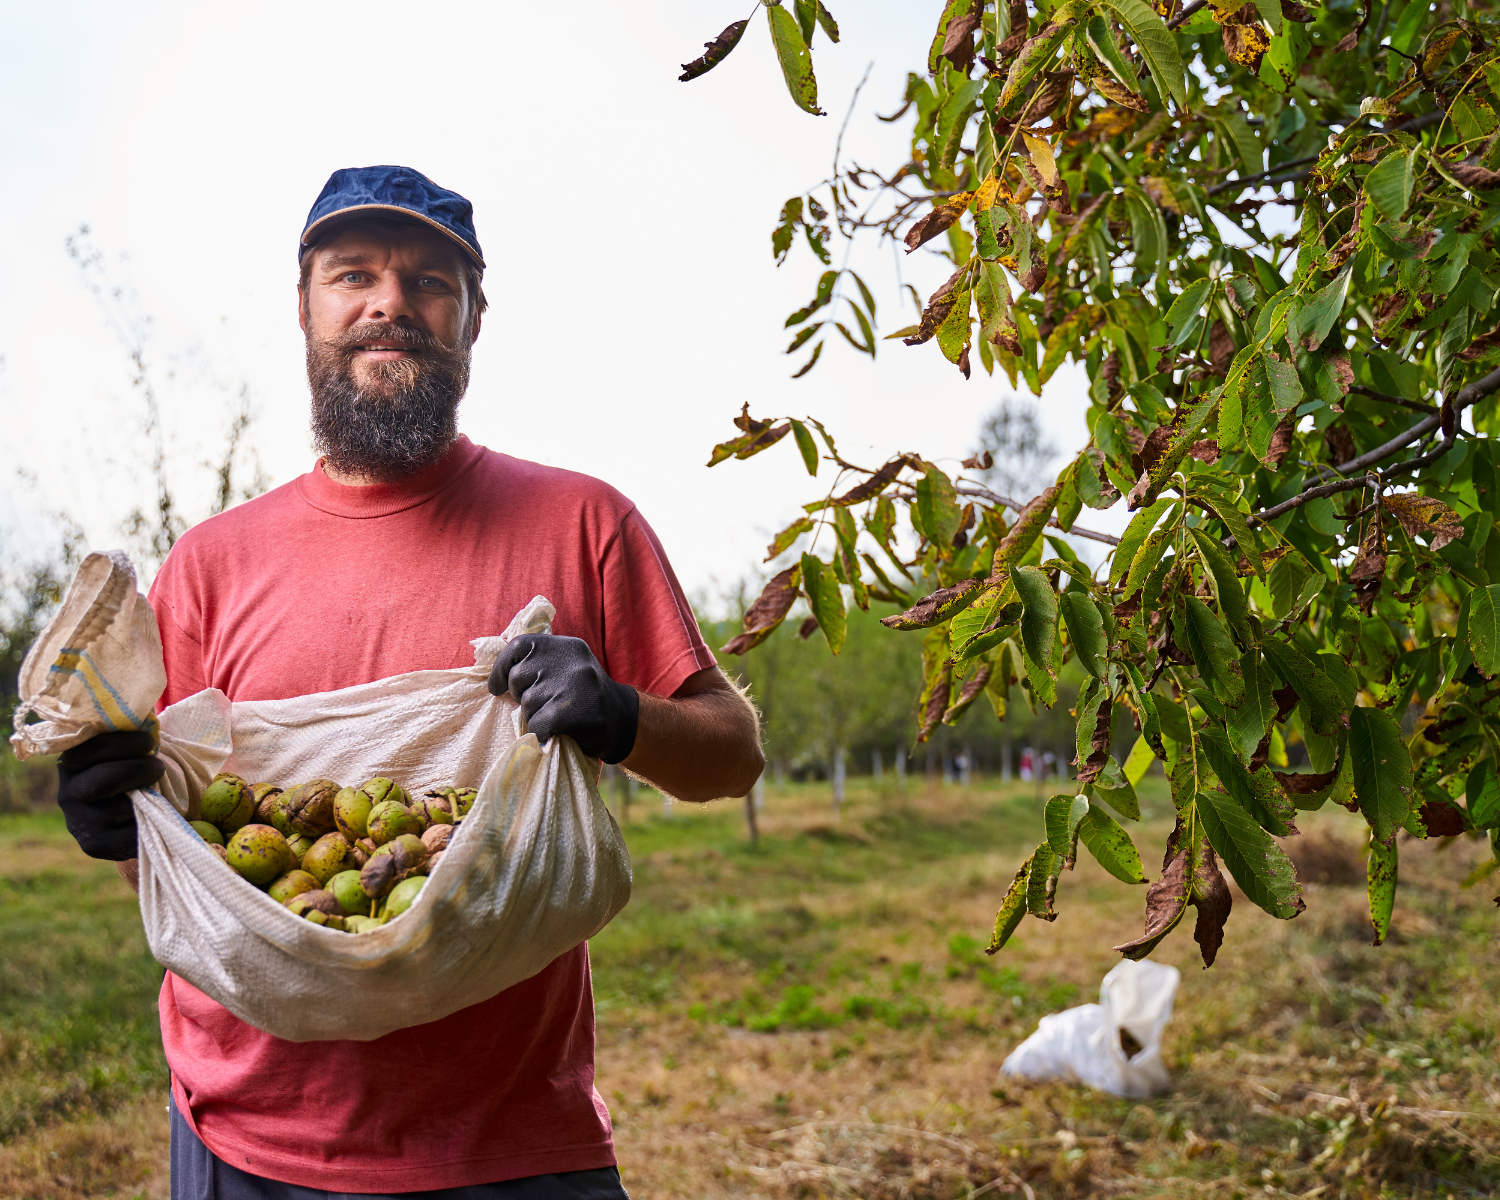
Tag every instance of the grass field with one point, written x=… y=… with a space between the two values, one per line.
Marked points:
x=815 y=1017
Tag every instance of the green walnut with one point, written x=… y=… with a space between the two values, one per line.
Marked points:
x=390 y=820
x=380 y=789
x=209 y=833
x=280 y=818
x=259 y=853
x=300 y=845
x=293 y=883
x=329 y=855
x=227 y=802
x=363 y=924
x=403 y=895
x=309 y=806
x=432 y=810
x=351 y=897
x=460 y=800
x=351 y=813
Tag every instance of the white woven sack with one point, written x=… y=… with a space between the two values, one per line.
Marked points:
x=97 y=665
x=537 y=867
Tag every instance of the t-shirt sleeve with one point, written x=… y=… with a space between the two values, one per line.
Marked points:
x=651 y=638
x=181 y=649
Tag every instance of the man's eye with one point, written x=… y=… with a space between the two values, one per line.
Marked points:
x=431 y=281
x=353 y=277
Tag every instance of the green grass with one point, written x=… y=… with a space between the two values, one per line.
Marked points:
x=837 y=967
x=78 y=1026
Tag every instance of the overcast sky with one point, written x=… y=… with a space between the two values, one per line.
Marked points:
x=625 y=217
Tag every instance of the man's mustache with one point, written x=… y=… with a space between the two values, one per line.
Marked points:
x=409 y=338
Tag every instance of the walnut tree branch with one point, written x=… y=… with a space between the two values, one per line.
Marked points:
x=1017 y=506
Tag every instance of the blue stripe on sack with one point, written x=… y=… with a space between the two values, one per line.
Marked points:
x=101 y=691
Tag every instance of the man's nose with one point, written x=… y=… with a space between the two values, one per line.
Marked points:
x=389 y=301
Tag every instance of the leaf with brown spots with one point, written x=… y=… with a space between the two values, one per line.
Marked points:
x=874 y=485
x=939 y=305
x=972 y=689
x=1426 y=516
x=1367 y=571
x=936 y=222
x=936 y=607
x=1281 y=442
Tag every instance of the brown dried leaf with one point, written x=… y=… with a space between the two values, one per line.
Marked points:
x=1206 y=450
x=1481 y=345
x=768 y=611
x=874 y=485
x=1245 y=38
x=1221 y=348
x=1441 y=820
x=937 y=705
x=1174 y=890
x=1116 y=92
x=1304 y=783
x=1281 y=442
x=936 y=222
x=979 y=462
x=1089 y=769
x=1340 y=443
x=958 y=46
x=748 y=424
x=1152 y=448
x=1424 y=515
x=714 y=52
x=1473 y=175
x=973 y=687
x=1367 y=571
x=808 y=627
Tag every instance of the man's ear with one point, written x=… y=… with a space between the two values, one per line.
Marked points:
x=302 y=308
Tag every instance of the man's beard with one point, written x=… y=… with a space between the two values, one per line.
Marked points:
x=400 y=417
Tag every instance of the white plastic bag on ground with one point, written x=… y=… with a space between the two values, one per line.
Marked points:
x=97 y=666
x=1114 y=1045
x=537 y=866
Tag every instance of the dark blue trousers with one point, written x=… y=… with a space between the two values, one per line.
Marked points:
x=199 y=1174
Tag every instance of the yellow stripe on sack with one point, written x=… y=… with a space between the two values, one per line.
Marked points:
x=108 y=701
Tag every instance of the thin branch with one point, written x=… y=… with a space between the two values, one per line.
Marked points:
x=1260 y=179
x=1327 y=489
x=1467 y=396
x=1187 y=14
x=1414 y=405
x=1018 y=505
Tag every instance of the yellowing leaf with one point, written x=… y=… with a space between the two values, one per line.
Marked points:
x=1040 y=154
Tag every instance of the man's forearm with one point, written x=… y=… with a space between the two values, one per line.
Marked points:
x=701 y=746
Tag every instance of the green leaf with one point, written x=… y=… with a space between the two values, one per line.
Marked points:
x=1389 y=184
x=795 y=59
x=806 y=446
x=806 y=12
x=1156 y=44
x=1261 y=868
x=936 y=514
x=1108 y=842
x=1286 y=388
x=1213 y=652
x=1185 y=308
x=787 y=536
x=1061 y=816
x=1033 y=56
x=1012 y=909
x=1321 y=310
x=1250 y=721
x=1257 y=794
x=1038 y=629
x=1102 y=42
x=1312 y=686
x=1484 y=629
x=1041 y=882
x=1382 y=770
x=1135 y=534
x=1085 y=630
x=1482 y=795
x=1139 y=761
x=825 y=599
x=1381 y=874
x=1224 y=582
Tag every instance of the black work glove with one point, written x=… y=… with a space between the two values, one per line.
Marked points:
x=562 y=689
x=93 y=779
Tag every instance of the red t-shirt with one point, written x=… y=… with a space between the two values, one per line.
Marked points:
x=317 y=586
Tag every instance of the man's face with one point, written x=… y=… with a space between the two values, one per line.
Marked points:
x=389 y=323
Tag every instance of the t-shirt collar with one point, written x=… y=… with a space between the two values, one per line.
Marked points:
x=383 y=499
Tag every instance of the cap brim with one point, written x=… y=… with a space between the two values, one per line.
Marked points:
x=323 y=225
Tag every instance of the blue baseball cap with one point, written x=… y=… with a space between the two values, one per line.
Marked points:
x=353 y=190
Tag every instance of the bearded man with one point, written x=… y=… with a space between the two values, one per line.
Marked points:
x=402 y=543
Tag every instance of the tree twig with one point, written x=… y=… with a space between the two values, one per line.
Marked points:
x=1018 y=505
x=1415 y=405
x=1327 y=489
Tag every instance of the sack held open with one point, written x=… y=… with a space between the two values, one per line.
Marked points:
x=537 y=866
